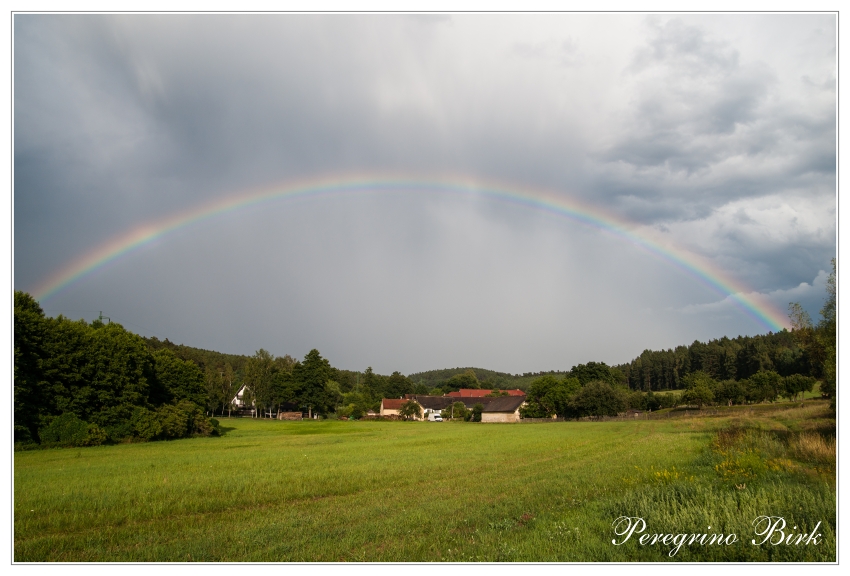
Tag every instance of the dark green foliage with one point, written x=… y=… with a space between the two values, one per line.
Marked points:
x=475 y=416
x=397 y=386
x=202 y=358
x=310 y=379
x=68 y=430
x=639 y=401
x=796 y=384
x=146 y=424
x=179 y=379
x=29 y=392
x=598 y=399
x=699 y=378
x=591 y=371
x=262 y=379
x=723 y=359
x=548 y=396
x=826 y=337
x=456 y=411
x=466 y=379
x=763 y=386
x=731 y=392
x=437 y=378
x=83 y=384
x=410 y=409
x=698 y=394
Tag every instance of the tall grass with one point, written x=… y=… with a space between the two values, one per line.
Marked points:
x=404 y=491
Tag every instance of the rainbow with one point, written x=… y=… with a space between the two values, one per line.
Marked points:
x=751 y=303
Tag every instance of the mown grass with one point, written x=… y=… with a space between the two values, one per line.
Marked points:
x=397 y=491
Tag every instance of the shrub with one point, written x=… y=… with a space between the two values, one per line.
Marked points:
x=475 y=416
x=146 y=424
x=22 y=435
x=173 y=421
x=69 y=430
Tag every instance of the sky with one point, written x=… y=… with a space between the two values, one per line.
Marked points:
x=711 y=137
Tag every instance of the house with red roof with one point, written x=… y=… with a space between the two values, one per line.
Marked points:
x=495 y=409
x=391 y=406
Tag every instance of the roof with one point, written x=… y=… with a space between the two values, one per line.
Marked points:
x=490 y=404
x=501 y=403
x=433 y=402
x=392 y=403
x=480 y=393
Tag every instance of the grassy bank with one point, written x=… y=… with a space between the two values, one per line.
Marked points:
x=397 y=491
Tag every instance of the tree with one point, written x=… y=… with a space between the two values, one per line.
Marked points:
x=699 y=394
x=260 y=379
x=827 y=336
x=310 y=377
x=457 y=411
x=29 y=336
x=476 y=412
x=212 y=382
x=229 y=388
x=466 y=379
x=397 y=385
x=119 y=372
x=699 y=378
x=178 y=379
x=595 y=371
x=731 y=392
x=598 y=399
x=410 y=410
x=796 y=384
x=764 y=385
x=548 y=396
x=71 y=376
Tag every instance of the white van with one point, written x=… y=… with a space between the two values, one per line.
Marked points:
x=435 y=417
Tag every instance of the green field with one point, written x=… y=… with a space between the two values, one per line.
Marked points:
x=342 y=491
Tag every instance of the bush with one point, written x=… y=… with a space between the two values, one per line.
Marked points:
x=146 y=424
x=22 y=435
x=173 y=421
x=69 y=430
x=475 y=416
x=598 y=399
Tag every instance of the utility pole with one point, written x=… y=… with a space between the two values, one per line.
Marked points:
x=101 y=317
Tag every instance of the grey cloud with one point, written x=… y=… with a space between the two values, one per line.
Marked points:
x=684 y=47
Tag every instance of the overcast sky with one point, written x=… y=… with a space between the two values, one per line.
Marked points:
x=716 y=132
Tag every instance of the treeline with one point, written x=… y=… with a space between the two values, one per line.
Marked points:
x=484 y=378
x=203 y=359
x=570 y=397
x=80 y=383
x=313 y=386
x=807 y=350
x=85 y=384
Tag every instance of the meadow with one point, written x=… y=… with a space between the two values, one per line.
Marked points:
x=351 y=491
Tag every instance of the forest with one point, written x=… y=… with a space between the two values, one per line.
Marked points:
x=79 y=383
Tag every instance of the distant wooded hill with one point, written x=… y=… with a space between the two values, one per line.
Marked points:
x=722 y=359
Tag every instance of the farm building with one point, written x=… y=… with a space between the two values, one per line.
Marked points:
x=501 y=408
x=496 y=409
x=391 y=406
